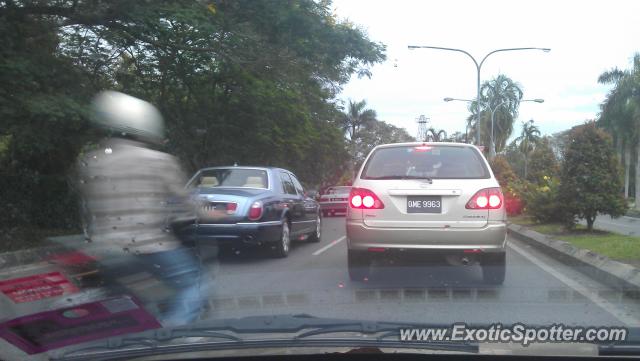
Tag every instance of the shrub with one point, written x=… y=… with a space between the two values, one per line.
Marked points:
x=591 y=176
x=502 y=170
x=542 y=163
x=542 y=201
x=511 y=186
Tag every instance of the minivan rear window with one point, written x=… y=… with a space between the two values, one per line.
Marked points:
x=425 y=162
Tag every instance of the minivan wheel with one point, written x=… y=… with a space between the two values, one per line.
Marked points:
x=281 y=249
x=359 y=265
x=494 y=268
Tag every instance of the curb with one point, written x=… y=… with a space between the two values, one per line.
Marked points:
x=612 y=273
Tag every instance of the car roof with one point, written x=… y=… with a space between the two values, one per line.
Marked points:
x=267 y=168
x=415 y=144
x=243 y=167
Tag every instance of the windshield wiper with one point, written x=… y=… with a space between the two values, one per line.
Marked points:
x=225 y=334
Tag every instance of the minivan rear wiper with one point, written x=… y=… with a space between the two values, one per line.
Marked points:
x=398 y=177
x=287 y=331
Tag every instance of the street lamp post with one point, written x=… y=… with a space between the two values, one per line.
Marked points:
x=478 y=68
x=492 y=146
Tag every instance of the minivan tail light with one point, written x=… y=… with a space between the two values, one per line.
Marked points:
x=363 y=198
x=488 y=198
x=255 y=211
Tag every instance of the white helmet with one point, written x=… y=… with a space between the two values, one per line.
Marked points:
x=128 y=115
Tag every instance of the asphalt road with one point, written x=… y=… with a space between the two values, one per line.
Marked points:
x=314 y=280
x=624 y=225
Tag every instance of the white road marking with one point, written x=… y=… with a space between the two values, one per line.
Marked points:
x=333 y=243
x=615 y=311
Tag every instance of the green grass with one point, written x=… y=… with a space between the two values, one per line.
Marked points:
x=522 y=220
x=613 y=245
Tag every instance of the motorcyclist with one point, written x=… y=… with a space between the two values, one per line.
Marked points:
x=132 y=194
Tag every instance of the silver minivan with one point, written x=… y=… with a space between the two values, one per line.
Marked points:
x=439 y=198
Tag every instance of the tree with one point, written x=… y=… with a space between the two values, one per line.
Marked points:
x=515 y=158
x=591 y=176
x=356 y=117
x=458 y=137
x=434 y=135
x=502 y=94
x=236 y=81
x=509 y=183
x=376 y=133
x=529 y=137
x=543 y=162
x=502 y=171
x=620 y=116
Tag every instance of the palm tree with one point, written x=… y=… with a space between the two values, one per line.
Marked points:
x=355 y=118
x=620 y=115
x=434 y=135
x=529 y=137
x=494 y=92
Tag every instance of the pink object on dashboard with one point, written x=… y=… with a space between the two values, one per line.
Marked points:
x=37 y=287
x=49 y=330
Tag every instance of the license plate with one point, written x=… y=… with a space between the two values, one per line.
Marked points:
x=424 y=204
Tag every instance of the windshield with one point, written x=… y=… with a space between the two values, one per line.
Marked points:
x=231 y=177
x=228 y=178
x=433 y=162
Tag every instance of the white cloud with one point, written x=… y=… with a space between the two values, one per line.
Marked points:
x=586 y=39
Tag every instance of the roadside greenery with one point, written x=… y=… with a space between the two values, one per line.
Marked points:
x=620 y=116
x=615 y=246
x=542 y=200
x=247 y=82
x=591 y=177
x=513 y=188
x=543 y=163
x=503 y=95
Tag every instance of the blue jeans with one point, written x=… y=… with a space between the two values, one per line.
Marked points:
x=178 y=269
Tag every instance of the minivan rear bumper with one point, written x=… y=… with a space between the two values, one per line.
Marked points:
x=491 y=238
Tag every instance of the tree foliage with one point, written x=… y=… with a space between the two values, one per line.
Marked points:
x=527 y=141
x=376 y=133
x=620 y=116
x=503 y=95
x=434 y=135
x=591 y=176
x=542 y=163
x=252 y=82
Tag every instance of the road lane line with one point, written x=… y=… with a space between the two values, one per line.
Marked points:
x=615 y=311
x=333 y=243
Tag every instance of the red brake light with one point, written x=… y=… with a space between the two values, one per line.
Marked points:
x=488 y=198
x=255 y=212
x=422 y=148
x=231 y=208
x=364 y=199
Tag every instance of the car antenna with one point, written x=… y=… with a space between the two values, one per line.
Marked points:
x=235 y=164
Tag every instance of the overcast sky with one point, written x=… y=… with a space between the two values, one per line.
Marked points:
x=586 y=38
